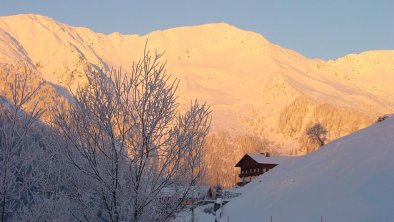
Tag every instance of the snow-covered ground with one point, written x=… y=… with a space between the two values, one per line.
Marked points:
x=350 y=179
x=199 y=214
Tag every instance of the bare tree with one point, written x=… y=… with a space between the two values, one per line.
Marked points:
x=317 y=134
x=128 y=148
x=25 y=160
x=15 y=138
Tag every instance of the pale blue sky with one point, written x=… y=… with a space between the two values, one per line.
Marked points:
x=324 y=29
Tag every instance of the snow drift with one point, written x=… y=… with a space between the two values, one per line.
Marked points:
x=350 y=179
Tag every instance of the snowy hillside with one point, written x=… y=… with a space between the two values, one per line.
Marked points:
x=351 y=179
x=263 y=96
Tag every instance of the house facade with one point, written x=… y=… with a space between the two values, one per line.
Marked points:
x=254 y=164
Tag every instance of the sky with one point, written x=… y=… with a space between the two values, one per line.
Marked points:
x=315 y=28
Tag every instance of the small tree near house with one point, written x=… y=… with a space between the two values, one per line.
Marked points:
x=317 y=133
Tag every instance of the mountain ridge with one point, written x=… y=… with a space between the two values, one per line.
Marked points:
x=39 y=18
x=256 y=89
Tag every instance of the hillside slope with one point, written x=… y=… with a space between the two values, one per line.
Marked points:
x=350 y=179
x=256 y=89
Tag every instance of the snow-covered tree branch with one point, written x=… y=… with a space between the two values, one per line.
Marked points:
x=28 y=187
x=128 y=147
x=317 y=134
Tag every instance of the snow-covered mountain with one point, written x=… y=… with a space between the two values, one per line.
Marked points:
x=350 y=179
x=257 y=90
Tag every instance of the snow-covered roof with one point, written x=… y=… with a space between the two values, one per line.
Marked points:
x=262 y=158
x=219 y=200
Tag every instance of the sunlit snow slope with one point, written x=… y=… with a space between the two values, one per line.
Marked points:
x=351 y=179
x=263 y=96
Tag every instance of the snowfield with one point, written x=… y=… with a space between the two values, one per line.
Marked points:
x=263 y=96
x=199 y=215
x=350 y=179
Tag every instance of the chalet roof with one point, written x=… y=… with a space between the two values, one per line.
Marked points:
x=263 y=159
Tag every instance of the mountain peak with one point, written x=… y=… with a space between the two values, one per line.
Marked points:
x=32 y=17
x=254 y=87
x=213 y=30
x=219 y=25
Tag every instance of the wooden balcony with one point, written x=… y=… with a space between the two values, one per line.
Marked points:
x=249 y=174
